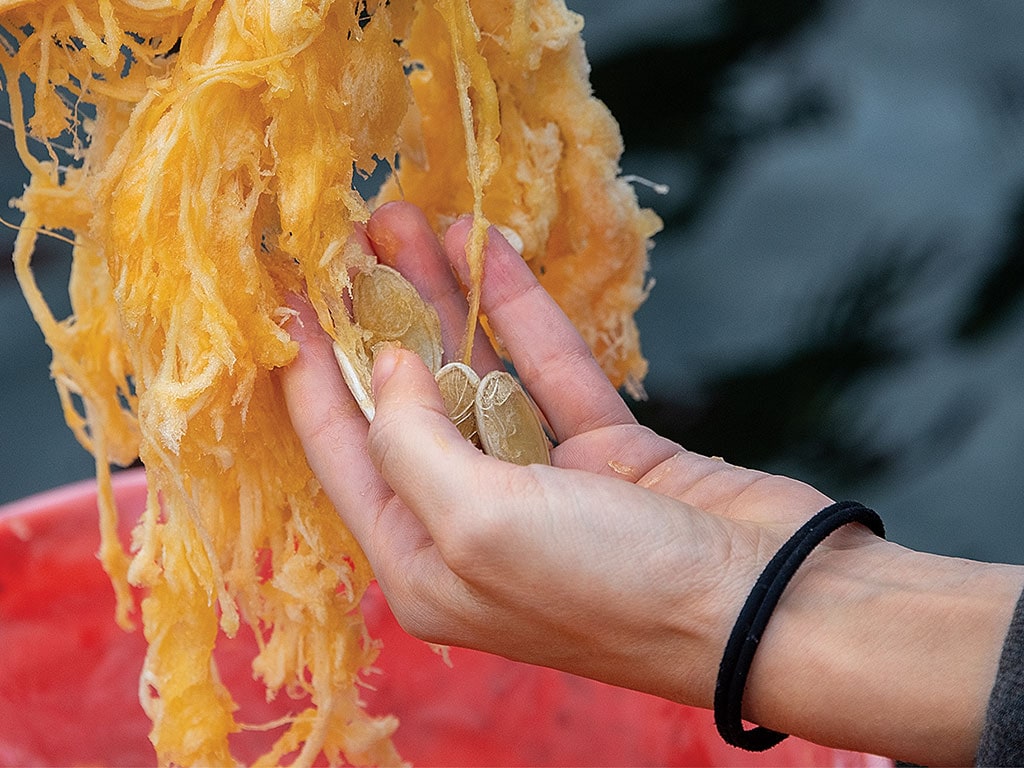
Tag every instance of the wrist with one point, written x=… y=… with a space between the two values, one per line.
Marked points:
x=877 y=648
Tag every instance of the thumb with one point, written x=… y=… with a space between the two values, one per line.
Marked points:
x=412 y=442
x=401 y=380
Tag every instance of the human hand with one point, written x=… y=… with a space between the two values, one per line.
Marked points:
x=628 y=559
x=585 y=566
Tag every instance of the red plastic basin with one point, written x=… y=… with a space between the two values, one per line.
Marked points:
x=69 y=676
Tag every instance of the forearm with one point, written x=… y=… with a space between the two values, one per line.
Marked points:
x=884 y=650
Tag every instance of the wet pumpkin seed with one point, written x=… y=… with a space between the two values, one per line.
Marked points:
x=507 y=423
x=390 y=311
x=458 y=384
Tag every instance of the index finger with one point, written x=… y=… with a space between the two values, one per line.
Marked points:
x=552 y=359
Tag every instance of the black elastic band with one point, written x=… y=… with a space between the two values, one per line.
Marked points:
x=753 y=618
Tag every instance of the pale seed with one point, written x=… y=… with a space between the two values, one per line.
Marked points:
x=508 y=426
x=458 y=384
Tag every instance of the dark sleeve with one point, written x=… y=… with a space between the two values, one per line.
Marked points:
x=1002 y=737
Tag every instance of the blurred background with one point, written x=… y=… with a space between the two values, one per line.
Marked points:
x=839 y=288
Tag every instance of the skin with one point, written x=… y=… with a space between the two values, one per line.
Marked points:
x=628 y=560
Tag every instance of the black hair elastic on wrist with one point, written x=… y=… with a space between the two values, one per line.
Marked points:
x=753 y=618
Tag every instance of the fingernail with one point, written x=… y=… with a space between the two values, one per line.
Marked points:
x=511 y=237
x=383 y=366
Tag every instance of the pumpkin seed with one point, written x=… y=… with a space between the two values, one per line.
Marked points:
x=507 y=423
x=458 y=384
